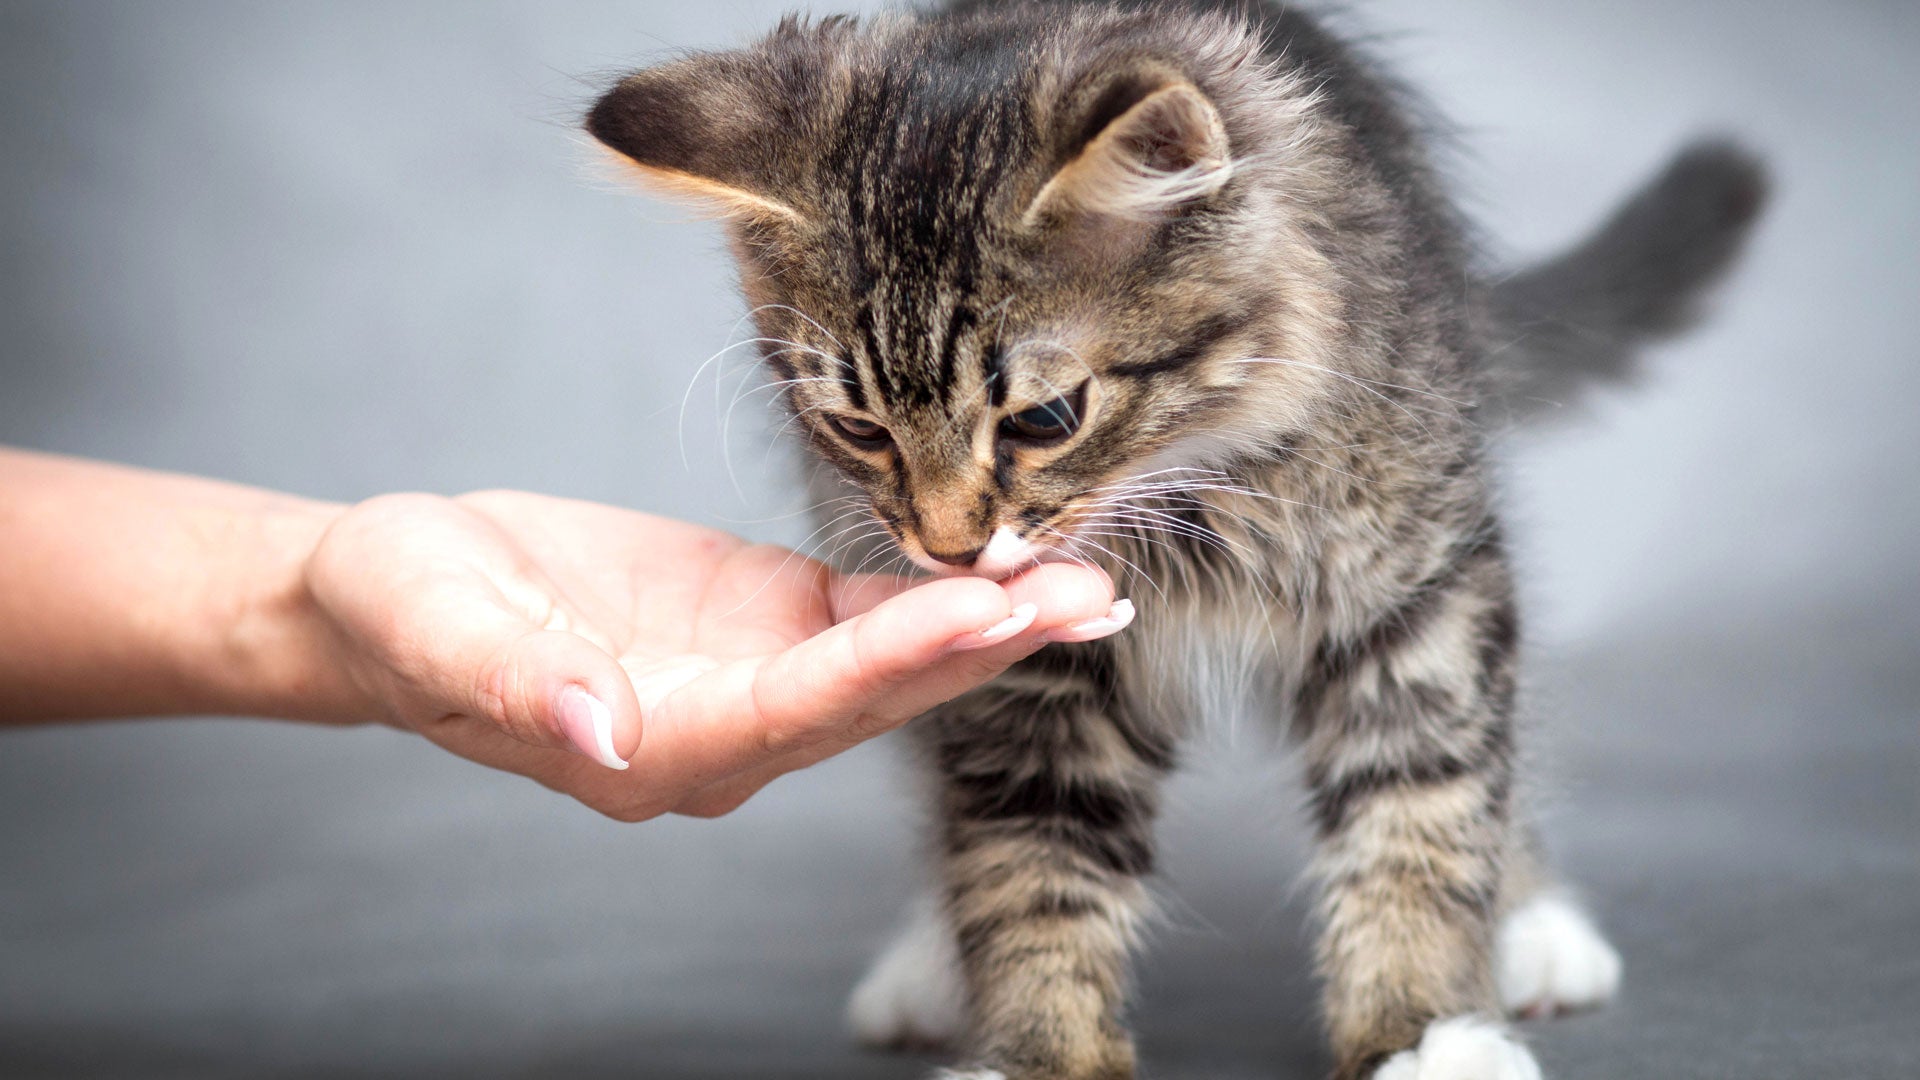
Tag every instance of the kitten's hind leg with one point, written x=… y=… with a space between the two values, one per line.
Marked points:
x=1409 y=747
x=914 y=997
x=1549 y=957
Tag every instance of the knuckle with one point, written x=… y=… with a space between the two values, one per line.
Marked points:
x=499 y=696
x=870 y=724
x=774 y=736
x=778 y=740
x=490 y=686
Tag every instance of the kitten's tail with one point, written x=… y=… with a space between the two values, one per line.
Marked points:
x=1579 y=318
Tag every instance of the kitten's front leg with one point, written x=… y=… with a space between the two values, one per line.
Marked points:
x=1409 y=748
x=1048 y=788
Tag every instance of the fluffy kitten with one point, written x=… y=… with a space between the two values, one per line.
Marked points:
x=1174 y=288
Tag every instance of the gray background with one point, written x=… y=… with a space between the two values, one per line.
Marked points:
x=349 y=248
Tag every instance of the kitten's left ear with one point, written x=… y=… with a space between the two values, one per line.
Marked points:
x=707 y=128
x=1144 y=146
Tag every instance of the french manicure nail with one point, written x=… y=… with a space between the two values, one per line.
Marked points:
x=1114 y=621
x=589 y=726
x=1021 y=618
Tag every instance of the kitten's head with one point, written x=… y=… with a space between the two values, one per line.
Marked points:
x=1011 y=266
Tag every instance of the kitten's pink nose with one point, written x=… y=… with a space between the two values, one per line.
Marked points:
x=964 y=558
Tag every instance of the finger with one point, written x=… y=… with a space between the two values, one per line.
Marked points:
x=856 y=594
x=600 y=789
x=1060 y=594
x=1065 y=593
x=546 y=688
x=751 y=712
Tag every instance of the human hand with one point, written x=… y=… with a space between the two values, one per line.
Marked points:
x=644 y=665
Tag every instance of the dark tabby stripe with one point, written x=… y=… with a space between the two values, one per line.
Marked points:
x=1198 y=343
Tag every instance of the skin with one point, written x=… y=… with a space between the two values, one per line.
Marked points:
x=479 y=621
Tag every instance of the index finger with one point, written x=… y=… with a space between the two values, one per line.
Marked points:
x=850 y=595
x=751 y=712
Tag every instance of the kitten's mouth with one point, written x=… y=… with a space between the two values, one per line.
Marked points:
x=1006 y=553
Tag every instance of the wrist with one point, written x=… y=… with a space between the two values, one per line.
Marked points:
x=277 y=653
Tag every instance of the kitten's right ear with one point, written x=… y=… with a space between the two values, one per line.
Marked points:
x=706 y=128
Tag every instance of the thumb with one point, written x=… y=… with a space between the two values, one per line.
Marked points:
x=549 y=688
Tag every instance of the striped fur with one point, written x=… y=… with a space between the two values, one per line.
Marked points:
x=1211 y=232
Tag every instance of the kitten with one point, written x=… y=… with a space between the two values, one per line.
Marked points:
x=1175 y=289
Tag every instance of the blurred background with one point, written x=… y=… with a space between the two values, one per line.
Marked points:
x=350 y=248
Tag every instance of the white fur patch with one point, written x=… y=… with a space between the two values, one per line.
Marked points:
x=1550 y=958
x=1005 y=555
x=913 y=998
x=970 y=1074
x=1462 y=1048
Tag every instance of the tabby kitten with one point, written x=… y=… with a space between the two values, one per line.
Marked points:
x=1174 y=289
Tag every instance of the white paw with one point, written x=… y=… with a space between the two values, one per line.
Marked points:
x=970 y=1074
x=913 y=998
x=1462 y=1048
x=1550 y=958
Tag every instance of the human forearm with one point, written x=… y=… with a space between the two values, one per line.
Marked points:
x=125 y=592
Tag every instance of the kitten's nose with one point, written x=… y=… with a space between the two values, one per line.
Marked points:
x=964 y=558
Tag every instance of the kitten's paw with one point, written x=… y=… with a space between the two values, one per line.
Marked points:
x=969 y=1074
x=1550 y=958
x=913 y=998
x=1462 y=1048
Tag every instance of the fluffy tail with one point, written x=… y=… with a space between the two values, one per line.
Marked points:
x=1580 y=317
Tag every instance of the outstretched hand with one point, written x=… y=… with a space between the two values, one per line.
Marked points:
x=647 y=666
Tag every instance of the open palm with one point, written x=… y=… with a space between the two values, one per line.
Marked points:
x=508 y=627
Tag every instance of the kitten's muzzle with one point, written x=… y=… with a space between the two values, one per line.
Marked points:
x=1003 y=555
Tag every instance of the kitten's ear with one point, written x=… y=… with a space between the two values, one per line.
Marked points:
x=707 y=128
x=1143 y=148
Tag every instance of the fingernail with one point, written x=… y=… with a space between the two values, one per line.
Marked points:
x=1021 y=618
x=589 y=726
x=1114 y=621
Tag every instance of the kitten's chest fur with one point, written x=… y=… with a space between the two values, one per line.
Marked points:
x=1271 y=573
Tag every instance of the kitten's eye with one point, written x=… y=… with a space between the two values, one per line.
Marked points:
x=1048 y=422
x=862 y=433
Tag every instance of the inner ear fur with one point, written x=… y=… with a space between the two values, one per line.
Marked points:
x=708 y=129
x=1146 y=147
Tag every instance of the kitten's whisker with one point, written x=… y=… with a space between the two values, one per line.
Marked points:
x=1232 y=490
x=813 y=509
x=1092 y=376
x=1000 y=331
x=741 y=393
x=797 y=550
x=837 y=343
x=1148 y=519
x=1162 y=472
x=886 y=568
x=781 y=431
x=1115 y=556
x=687 y=397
